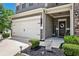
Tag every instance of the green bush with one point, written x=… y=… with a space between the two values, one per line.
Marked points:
x=35 y=43
x=71 y=39
x=71 y=49
x=77 y=38
x=5 y=35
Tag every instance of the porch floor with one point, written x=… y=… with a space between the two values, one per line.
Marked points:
x=55 y=42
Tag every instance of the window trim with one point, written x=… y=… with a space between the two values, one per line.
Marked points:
x=23 y=5
x=17 y=8
x=30 y=4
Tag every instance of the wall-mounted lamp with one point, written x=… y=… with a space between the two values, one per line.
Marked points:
x=76 y=13
x=77 y=23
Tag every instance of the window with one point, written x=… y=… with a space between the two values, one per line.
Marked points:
x=56 y=3
x=24 y=5
x=17 y=8
x=30 y=4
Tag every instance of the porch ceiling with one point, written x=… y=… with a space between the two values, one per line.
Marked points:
x=60 y=14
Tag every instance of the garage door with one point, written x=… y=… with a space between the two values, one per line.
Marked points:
x=28 y=27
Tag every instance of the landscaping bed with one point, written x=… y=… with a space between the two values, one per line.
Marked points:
x=40 y=51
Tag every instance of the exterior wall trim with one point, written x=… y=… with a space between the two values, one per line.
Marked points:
x=58 y=9
x=27 y=13
x=61 y=16
x=71 y=21
x=44 y=26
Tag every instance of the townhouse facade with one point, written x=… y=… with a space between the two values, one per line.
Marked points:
x=45 y=20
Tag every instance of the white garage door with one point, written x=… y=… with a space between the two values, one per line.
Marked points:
x=26 y=27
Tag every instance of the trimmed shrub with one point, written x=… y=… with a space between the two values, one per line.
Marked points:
x=5 y=35
x=71 y=49
x=77 y=38
x=61 y=46
x=71 y=39
x=35 y=43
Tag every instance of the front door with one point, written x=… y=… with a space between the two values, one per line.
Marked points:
x=61 y=28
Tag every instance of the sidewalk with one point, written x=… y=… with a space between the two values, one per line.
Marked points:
x=10 y=47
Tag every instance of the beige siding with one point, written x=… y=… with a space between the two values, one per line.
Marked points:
x=49 y=27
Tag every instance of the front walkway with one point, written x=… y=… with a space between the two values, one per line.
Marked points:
x=10 y=47
x=55 y=42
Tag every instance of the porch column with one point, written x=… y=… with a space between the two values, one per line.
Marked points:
x=71 y=21
x=44 y=23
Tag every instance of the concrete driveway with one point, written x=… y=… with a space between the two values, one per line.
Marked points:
x=10 y=47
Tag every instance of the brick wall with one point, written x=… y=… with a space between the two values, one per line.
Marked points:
x=76 y=18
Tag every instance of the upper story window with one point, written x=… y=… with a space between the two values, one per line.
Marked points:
x=24 y=5
x=38 y=3
x=56 y=4
x=30 y=4
x=17 y=8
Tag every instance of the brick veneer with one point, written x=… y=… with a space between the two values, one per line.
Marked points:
x=76 y=18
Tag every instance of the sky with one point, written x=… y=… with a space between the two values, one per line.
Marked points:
x=10 y=6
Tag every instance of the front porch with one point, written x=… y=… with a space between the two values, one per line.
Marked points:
x=58 y=21
x=57 y=24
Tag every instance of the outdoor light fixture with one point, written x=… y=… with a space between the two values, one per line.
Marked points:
x=77 y=15
x=76 y=12
x=41 y=27
x=20 y=49
x=78 y=23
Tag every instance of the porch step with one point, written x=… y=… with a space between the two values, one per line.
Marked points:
x=55 y=42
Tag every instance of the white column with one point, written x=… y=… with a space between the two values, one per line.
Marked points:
x=71 y=21
x=44 y=24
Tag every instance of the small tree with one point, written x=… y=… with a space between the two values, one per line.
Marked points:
x=5 y=19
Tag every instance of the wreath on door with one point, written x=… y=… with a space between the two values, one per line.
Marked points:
x=62 y=25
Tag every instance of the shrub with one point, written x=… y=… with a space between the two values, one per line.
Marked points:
x=5 y=35
x=71 y=39
x=35 y=43
x=71 y=49
x=61 y=45
x=77 y=38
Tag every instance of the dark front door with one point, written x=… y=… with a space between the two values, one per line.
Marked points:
x=61 y=28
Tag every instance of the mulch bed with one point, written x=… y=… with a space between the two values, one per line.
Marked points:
x=40 y=51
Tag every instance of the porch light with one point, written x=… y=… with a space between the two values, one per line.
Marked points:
x=20 y=49
x=78 y=23
x=76 y=13
x=41 y=27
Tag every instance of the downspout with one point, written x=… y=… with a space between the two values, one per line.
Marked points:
x=43 y=24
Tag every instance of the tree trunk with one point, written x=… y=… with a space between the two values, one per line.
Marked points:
x=1 y=36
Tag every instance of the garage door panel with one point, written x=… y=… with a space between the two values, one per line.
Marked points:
x=27 y=27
